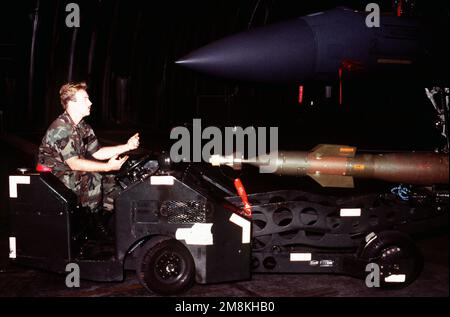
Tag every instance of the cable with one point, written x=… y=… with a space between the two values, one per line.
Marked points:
x=402 y=192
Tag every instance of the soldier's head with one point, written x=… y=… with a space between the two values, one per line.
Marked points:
x=74 y=96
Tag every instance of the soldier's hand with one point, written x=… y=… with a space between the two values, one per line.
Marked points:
x=115 y=163
x=133 y=142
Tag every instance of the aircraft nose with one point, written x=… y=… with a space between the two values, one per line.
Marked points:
x=281 y=52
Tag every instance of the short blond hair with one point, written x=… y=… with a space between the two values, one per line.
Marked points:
x=68 y=91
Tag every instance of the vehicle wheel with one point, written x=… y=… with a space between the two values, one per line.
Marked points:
x=165 y=266
x=397 y=256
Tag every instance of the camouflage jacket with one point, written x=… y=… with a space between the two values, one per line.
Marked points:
x=64 y=140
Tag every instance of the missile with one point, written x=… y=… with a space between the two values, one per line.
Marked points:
x=336 y=165
x=319 y=46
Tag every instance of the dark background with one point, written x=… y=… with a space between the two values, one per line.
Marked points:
x=126 y=50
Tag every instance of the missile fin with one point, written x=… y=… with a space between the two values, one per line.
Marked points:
x=333 y=180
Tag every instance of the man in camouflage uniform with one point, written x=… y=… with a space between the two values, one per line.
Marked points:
x=72 y=152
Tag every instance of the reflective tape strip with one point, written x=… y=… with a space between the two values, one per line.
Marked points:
x=13 y=181
x=12 y=247
x=162 y=180
x=370 y=237
x=301 y=256
x=395 y=278
x=198 y=234
x=244 y=224
x=350 y=212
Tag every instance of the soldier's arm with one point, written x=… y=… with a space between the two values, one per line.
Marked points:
x=79 y=164
x=107 y=152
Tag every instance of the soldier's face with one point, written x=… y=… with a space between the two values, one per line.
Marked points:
x=82 y=103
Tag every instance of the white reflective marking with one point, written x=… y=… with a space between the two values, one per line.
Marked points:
x=12 y=247
x=162 y=180
x=245 y=224
x=198 y=234
x=350 y=212
x=13 y=181
x=395 y=278
x=301 y=256
x=370 y=237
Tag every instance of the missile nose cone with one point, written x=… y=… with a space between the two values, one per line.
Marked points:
x=280 y=52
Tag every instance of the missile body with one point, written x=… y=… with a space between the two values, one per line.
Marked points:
x=313 y=46
x=336 y=165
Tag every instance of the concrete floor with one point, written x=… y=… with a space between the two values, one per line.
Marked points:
x=433 y=282
x=18 y=281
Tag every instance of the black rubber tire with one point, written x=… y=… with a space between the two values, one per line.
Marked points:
x=389 y=247
x=165 y=266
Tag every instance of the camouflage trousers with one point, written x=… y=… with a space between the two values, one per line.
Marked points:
x=94 y=190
